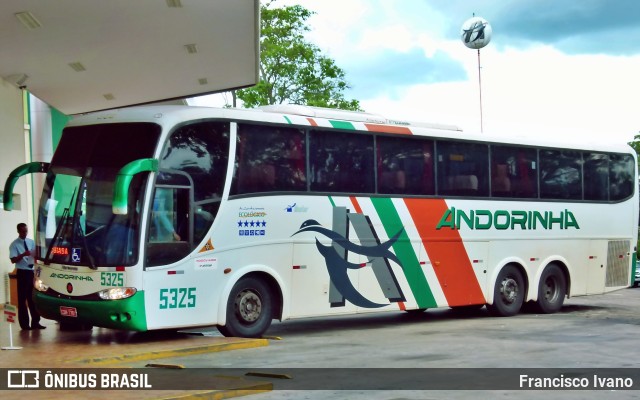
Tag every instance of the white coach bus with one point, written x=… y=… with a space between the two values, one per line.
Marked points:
x=171 y=217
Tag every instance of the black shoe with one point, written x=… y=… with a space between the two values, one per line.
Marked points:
x=39 y=327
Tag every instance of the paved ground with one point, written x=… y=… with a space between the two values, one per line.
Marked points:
x=104 y=348
x=589 y=332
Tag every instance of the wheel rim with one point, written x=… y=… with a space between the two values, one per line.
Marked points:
x=550 y=289
x=248 y=306
x=509 y=290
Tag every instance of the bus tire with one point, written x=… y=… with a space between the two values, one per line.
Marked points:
x=551 y=290
x=508 y=293
x=249 y=309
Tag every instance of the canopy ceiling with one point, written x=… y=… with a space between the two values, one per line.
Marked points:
x=87 y=55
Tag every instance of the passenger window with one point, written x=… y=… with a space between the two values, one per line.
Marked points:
x=341 y=162
x=514 y=172
x=269 y=158
x=405 y=166
x=200 y=150
x=560 y=174
x=196 y=157
x=621 y=176
x=596 y=176
x=462 y=169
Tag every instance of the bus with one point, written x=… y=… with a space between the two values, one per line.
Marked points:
x=168 y=217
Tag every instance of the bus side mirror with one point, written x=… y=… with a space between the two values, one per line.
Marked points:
x=29 y=168
x=123 y=180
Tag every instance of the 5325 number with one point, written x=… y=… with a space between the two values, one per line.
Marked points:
x=111 y=279
x=177 y=298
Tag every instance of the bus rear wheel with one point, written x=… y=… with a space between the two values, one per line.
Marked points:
x=508 y=293
x=249 y=309
x=552 y=290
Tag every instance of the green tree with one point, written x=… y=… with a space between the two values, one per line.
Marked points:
x=636 y=144
x=293 y=70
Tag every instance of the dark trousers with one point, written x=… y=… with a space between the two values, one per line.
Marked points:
x=25 y=297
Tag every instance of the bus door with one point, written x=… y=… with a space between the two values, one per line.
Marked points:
x=170 y=234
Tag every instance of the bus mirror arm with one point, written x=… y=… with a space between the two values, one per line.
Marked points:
x=29 y=168
x=123 y=180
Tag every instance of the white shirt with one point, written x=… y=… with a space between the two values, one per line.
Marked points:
x=17 y=247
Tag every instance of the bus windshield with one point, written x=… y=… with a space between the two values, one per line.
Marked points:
x=76 y=225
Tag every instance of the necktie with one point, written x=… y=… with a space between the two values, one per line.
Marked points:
x=26 y=249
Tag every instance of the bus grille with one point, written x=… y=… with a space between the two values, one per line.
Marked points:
x=618 y=263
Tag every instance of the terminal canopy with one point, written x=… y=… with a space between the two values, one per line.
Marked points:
x=89 y=55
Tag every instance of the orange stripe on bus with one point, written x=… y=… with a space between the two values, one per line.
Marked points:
x=446 y=251
x=356 y=205
x=312 y=122
x=389 y=129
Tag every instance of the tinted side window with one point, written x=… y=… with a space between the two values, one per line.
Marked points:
x=341 y=162
x=560 y=174
x=269 y=158
x=463 y=169
x=201 y=150
x=405 y=166
x=514 y=172
x=621 y=176
x=596 y=176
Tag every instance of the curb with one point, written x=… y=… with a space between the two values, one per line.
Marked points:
x=181 y=352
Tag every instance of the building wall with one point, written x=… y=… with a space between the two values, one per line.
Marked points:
x=14 y=142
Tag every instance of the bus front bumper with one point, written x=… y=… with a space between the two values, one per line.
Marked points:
x=127 y=314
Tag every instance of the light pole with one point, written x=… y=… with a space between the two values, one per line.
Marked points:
x=475 y=34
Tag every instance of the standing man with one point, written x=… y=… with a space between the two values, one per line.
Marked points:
x=20 y=254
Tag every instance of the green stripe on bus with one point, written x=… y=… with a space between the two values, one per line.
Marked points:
x=333 y=203
x=410 y=264
x=288 y=120
x=342 y=125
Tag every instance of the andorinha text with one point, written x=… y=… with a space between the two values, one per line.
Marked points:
x=503 y=219
x=72 y=277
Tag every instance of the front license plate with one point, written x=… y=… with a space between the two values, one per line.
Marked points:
x=68 y=311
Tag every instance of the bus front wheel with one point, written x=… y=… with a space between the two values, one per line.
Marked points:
x=249 y=311
x=508 y=293
x=552 y=290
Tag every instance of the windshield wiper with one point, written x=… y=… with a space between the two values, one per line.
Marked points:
x=63 y=222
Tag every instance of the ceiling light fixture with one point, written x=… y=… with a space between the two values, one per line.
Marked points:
x=109 y=96
x=28 y=20
x=174 y=3
x=203 y=81
x=191 y=48
x=17 y=79
x=77 y=66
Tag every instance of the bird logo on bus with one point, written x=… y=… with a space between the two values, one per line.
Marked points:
x=336 y=258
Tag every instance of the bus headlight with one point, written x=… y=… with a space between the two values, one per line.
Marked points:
x=117 y=293
x=40 y=286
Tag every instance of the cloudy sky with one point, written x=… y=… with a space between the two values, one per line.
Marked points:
x=554 y=68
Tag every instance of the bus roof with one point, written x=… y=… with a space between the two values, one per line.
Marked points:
x=298 y=115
